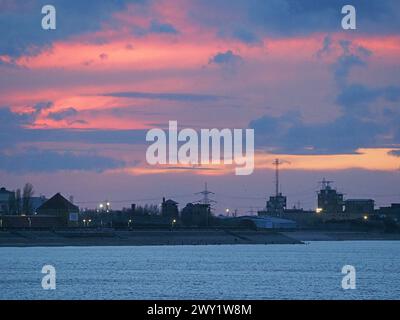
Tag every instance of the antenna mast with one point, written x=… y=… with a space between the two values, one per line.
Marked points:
x=206 y=200
x=277 y=163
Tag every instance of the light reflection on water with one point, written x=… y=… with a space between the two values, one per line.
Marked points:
x=311 y=271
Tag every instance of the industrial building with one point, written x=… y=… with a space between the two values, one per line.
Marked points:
x=196 y=214
x=359 y=206
x=329 y=200
x=276 y=205
x=390 y=212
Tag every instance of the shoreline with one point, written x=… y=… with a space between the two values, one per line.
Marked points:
x=23 y=238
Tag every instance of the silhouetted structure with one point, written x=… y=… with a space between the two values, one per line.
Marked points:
x=390 y=212
x=329 y=200
x=60 y=207
x=276 y=205
x=198 y=214
x=169 y=208
x=206 y=199
x=7 y=201
x=359 y=206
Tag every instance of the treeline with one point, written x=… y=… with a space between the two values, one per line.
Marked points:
x=21 y=202
x=147 y=210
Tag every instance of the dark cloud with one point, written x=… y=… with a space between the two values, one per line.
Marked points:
x=290 y=134
x=90 y=136
x=351 y=56
x=245 y=35
x=43 y=106
x=158 y=27
x=225 y=58
x=155 y=27
x=395 y=153
x=364 y=51
x=356 y=99
x=10 y=120
x=362 y=124
x=22 y=21
x=326 y=46
x=184 y=97
x=35 y=160
x=103 y=56
x=79 y=121
x=344 y=65
x=282 y=18
x=14 y=129
x=63 y=114
x=256 y=18
x=391 y=93
x=358 y=94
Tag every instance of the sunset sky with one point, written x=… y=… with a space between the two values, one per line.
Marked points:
x=76 y=102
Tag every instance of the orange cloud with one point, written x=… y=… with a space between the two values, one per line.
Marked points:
x=366 y=159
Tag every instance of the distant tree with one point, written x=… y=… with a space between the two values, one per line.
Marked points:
x=18 y=201
x=152 y=209
x=147 y=210
x=27 y=195
x=11 y=204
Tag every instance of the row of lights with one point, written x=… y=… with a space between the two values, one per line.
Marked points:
x=88 y=221
x=320 y=210
x=106 y=205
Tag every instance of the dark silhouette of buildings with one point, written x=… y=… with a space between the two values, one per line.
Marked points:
x=359 y=206
x=329 y=200
x=58 y=212
x=198 y=214
x=169 y=209
x=7 y=201
x=276 y=205
x=392 y=212
x=58 y=206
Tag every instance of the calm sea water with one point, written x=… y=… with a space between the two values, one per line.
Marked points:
x=311 y=271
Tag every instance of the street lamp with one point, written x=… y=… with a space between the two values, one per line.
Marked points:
x=84 y=222
x=173 y=223
x=227 y=211
x=129 y=222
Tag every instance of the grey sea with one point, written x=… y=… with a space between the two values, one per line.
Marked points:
x=310 y=271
